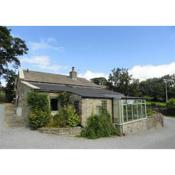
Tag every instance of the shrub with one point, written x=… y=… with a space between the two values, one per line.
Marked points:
x=150 y=111
x=171 y=107
x=99 y=126
x=73 y=119
x=38 y=101
x=40 y=110
x=67 y=116
x=60 y=120
x=38 y=119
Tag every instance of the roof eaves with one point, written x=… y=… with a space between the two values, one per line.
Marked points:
x=29 y=85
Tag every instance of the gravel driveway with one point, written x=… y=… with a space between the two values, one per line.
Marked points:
x=24 y=138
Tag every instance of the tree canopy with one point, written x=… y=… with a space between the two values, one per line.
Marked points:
x=10 y=49
x=100 y=81
x=121 y=81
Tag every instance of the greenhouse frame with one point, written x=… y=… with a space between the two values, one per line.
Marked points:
x=128 y=111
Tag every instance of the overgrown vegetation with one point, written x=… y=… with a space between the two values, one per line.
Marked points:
x=11 y=48
x=38 y=118
x=2 y=97
x=99 y=126
x=171 y=107
x=65 y=99
x=67 y=117
x=39 y=110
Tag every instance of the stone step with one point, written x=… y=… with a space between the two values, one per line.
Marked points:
x=11 y=119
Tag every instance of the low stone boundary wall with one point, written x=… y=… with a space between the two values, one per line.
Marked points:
x=155 y=121
x=134 y=126
x=61 y=131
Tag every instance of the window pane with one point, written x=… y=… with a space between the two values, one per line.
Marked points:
x=54 y=104
x=129 y=107
x=125 y=113
x=135 y=112
x=104 y=105
x=98 y=108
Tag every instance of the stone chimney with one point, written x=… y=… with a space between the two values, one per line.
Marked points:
x=73 y=74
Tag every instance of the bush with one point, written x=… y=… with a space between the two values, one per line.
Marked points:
x=40 y=110
x=73 y=119
x=38 y=101
x=60 y=120
x=99 y=126
x=38 y=119
x=67 y=116
x=171 y=107
x=150 y=111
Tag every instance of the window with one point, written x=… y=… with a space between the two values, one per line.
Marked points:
x=98 y=108
x=133 y=110
x=130 y=112
x=54 y=104
x=104 y=105
x=125 y=115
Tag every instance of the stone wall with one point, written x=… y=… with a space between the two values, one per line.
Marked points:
x=61 y=131
x=21 y=92
x=89 y=107
x=134 y=126
x=155 y=121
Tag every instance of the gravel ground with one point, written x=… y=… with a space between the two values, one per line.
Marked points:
x=24 y=138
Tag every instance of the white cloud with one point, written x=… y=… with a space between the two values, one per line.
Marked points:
x=144 y=72
x=89 y=75
x=43 y=63
x=49 y=43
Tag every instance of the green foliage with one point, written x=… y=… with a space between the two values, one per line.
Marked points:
x=40 y=111
x=67 y=116
x=38 y=101
x=150 y=111
x=155 y=87
x=99 y=126
x=73 y=118
x=38 y=119
x=60 y=120
x=171 y=107
x=11 y=48
x=65 y=99
x=99 y=81
x=156 y=104
x=121 y=81
x=2 y=97
x=10 y=86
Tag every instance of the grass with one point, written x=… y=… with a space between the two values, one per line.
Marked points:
x=152 y=103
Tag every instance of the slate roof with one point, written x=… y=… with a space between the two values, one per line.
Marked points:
x=79 y=90
x=48 y=82
x=34 y=76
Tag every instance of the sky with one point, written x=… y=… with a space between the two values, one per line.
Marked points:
x=94 y=51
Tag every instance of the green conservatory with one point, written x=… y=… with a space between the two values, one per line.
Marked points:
x=129 y=111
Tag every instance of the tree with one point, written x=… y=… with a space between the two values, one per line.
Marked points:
x=99 y=81
x=119 y=80
x=10 y=86
x=134 y=88
x=10 y=48
x=155 y=87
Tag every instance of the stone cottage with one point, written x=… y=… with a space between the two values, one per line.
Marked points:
x=128 y=113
